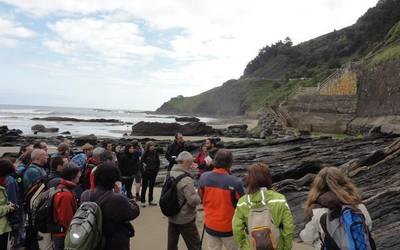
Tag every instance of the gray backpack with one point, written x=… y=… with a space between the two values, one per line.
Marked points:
x=263 y=233
x=85 y=230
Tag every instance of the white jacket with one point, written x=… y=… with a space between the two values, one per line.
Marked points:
x=313 y=229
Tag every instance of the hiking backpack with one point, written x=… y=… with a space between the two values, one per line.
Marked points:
x=346 y=229
x=42 y=212
x=33 y=191
x=263 y=233
x=169 y=202
x=86 y=229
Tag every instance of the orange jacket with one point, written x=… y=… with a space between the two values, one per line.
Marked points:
x=220 y=192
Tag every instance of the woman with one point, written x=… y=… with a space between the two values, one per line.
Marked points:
x=330 y=190
x=151 y=163
x=201 y=159
x=260 y=195
x=129 y=164
x=6 y=168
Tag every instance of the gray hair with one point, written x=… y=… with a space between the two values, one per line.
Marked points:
x=97 y=152
x=184 y=156
x=106 y=156
x=36 y=153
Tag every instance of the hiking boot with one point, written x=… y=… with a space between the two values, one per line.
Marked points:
x=152 y=204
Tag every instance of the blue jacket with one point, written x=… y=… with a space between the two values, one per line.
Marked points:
x=12 y=190
x=33 y=174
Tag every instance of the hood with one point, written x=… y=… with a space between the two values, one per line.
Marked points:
x=179 y=168
x=67 y=184
x=329 y=200
x=54 y=174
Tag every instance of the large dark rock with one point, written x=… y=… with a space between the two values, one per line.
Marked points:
x=169 y=129
x=80 y=141
x=42 y=129
x=238 y=131
x=70 y=119
x=187 y=119
x=3 y=129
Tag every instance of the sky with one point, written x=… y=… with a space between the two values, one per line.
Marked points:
x=137 y=54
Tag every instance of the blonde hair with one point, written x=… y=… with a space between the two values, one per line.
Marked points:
x=334 y=180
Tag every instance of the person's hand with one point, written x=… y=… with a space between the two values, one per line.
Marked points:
x=11 y=207
x=208 y=161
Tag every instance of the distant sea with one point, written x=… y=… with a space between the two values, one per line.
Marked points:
x=20 y=117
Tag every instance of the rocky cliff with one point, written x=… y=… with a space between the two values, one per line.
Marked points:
x=281 y=68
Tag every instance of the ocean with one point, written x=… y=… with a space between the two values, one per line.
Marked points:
x=20 y=117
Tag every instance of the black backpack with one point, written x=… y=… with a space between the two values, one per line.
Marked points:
x=42 y=212
x=169 y=202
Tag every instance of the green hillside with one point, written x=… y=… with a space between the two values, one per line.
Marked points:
x=280 y=68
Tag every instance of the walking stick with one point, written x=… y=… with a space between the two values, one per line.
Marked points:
x=202 y=236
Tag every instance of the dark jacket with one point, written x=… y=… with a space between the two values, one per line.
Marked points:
x=151 y=161
x=173 y=151
x=129 y=164
x=54 y=179
x=117 y=211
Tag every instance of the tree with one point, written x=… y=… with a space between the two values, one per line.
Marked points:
x=288 y=41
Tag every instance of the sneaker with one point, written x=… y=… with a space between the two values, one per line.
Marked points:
x=152 y=204
x=143 y=204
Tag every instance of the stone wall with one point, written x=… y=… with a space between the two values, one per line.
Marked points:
x=379 y=90
x=342 y=82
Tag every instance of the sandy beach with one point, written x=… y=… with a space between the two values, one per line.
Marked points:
x=152 y=229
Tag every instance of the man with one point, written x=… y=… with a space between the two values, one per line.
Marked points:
x=92 y=162
x=34 y=173
x=184 y=222
x=117 y=210
x=57 y=164
x=220 y=192
x=43 y=145
x=63 y=150
x=175 y=149
x=81 y=159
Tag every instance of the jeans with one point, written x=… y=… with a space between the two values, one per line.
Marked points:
x=148 y=181
x=3 y=241
x=189 y=234
x=31 y=241
x=58 y=243
x=128 y=182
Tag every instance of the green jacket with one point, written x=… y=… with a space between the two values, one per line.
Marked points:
x=4 y=210
x=281 y=216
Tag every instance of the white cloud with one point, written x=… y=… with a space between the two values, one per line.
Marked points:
x=11 y=32
x=115 y=41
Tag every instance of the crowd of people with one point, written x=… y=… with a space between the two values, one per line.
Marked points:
x=238 y=213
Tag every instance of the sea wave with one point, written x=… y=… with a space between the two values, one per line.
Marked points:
x=24 y=111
